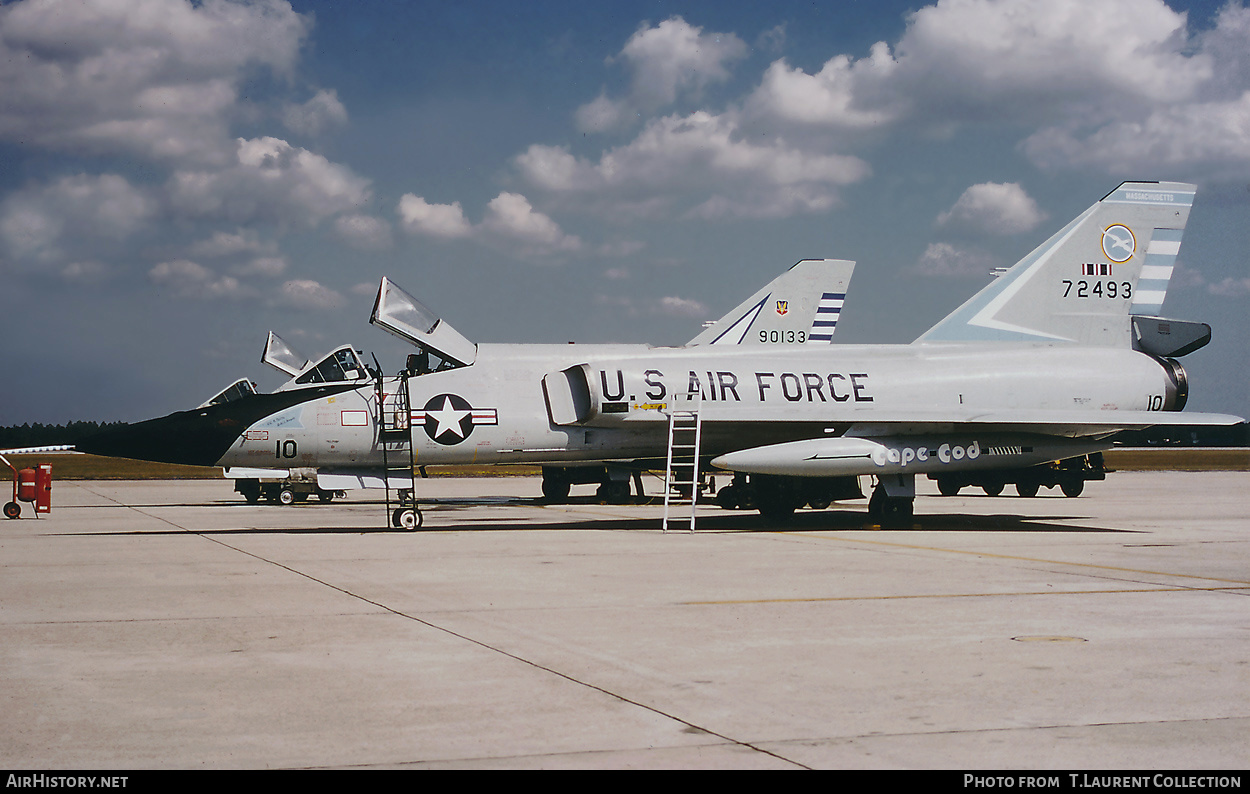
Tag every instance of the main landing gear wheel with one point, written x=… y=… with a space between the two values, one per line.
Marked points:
x=890 y=511
x=407 y=518
x=614 y=492
x=555 y=490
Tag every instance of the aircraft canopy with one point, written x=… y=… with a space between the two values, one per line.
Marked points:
x=279 y=355
x=341 y=366
x=398 y=313
x=240 y=388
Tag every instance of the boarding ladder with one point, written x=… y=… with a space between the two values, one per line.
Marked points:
x=398 y=456
x=681 y=466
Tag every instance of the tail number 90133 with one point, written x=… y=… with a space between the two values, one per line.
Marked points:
x=776 y=337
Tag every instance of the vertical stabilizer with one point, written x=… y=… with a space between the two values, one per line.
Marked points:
x=801 y=306
x=1082 y=284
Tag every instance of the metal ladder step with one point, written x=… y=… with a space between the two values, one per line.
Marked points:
x=684 y=418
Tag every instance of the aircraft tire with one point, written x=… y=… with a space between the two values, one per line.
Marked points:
x=888 y=511
x=729 y=498
x=1027 y=489
x=408 y=518
x=947 y=486
x=1072 y=488
x=555 y=490
x=776 y=507
x=614 y=492
x=993 y=488
x=286 y=496
x=12 y=510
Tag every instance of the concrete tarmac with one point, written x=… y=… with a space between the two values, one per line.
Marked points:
x=170 y=625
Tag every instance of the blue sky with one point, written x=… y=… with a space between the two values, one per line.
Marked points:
x=177 y=179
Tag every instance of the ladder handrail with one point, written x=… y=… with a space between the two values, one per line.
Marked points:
x=401 y=408
x=688 y=415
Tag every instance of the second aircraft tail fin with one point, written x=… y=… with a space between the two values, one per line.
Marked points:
x=801 y=306
x=1084 y=283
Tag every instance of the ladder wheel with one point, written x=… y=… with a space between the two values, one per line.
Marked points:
x=12 y=510
x=408 y=518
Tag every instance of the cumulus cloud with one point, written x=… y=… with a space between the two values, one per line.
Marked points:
x=148 y=77
x=156 y=84
x=1230 y=287
x=321 y=112
x=269 y=180
x=943 y=260
x=418 y=216
x=263 y=266
x=993 y=208
x=668 y=306
x=363 y=231
x=41 y=222
x=1209 y=135
x=845 y=93
x=511 y=217
x=1006 y=58
x=666 y=61
x=676 y=157
x=307 y=294
x=681 y=307
x=510 y=222
x=1119 y=85
x=187 y=279
x=86 y=273
x=222 y=243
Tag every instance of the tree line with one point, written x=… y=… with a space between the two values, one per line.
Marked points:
x=41 y=435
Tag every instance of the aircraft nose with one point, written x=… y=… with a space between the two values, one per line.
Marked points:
x=202 y=436
x=197 y=438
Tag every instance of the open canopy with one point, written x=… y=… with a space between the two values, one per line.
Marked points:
x=404 y=316
x=279 y=355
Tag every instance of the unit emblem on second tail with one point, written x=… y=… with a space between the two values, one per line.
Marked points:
x=1118 y=243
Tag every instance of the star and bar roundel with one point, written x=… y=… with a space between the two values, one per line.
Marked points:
x=449 y=419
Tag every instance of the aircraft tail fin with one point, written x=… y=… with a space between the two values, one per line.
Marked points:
x=801 y=306
x=1087 y=281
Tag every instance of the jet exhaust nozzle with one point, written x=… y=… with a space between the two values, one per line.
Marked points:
x=1177 y=392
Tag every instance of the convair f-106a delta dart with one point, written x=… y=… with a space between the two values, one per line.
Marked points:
x=1023 y=384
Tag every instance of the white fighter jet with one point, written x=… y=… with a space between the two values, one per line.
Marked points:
x=1043 y=365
